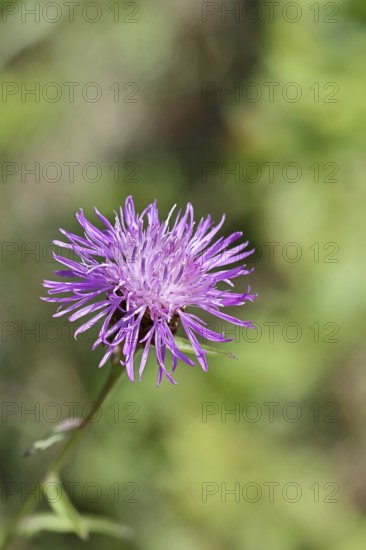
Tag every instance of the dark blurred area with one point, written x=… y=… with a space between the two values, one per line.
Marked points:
x=255 y=109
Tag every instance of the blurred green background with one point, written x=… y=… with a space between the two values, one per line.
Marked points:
x=138 y=102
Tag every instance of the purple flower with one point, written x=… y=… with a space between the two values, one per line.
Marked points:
x=140 y=275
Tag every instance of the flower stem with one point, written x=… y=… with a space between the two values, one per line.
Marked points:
x=115 y=374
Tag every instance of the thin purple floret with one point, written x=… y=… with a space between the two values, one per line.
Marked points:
x=139 y=276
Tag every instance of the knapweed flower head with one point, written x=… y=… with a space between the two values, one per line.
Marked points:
x=142 y=277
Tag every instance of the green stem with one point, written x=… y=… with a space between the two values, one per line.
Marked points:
x=110 y=383
x=115 y=374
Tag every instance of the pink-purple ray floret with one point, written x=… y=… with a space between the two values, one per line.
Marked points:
x=141 y=268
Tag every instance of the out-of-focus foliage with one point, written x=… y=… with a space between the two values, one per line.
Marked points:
x=170 y=136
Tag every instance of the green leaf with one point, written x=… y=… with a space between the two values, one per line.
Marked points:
x=185 y=346
x=32 y=525
x=60 y=503
x=57 y=434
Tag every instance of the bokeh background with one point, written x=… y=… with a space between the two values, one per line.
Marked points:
x=159 y=121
